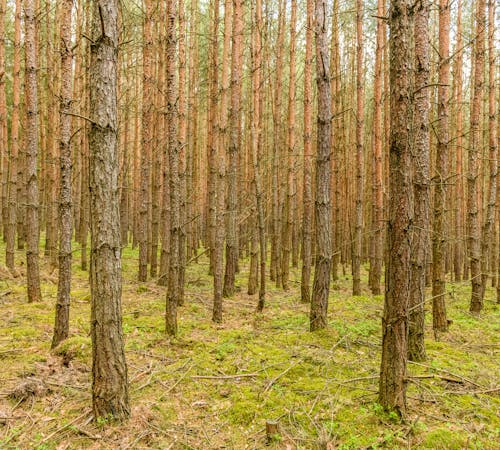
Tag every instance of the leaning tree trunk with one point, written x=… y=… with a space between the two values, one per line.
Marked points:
x=61 y=327
x=109 y=369
x=32 y=217
x=321 y=285
x=416 y=316
x=392 y=385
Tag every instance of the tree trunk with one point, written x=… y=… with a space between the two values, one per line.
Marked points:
x=305 y=290
x=358 y=226
x=234 y=151
x=14 y=142
x=321 y=284
x=392 y=385
x=61 y=326
x=173 y=163
x=109 y=369
x=377 y=250
x=473 y=206
x=32 y=218
x=416 y=316
x=489 y=217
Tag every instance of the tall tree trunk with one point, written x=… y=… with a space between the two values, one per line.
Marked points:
x=377 y=176
x=4 y=138
x=14 y=141
x=109 y=369
x=173 y=163
x=440 y=322
x=32 y=218
x=234 y=148
x=420 y=238
x=458 y=257
x=147 y=139
x=473 y=205
x=308 y=150
x=489 y=217
x=321 y=285
x=212 y=138
x=290 y=194
x=61 y=326
x=276 y=246
x=392 y=385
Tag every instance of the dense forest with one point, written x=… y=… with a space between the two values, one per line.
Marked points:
x=249 y=224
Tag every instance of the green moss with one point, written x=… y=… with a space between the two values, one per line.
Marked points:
x=444 y=439
x=78 y=347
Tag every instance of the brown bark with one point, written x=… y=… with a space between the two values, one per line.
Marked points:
x=439 y=320
x=32 y=218
x=61 y=326
x=14 y=142
x=4 y=139
x=290 y=190
x=392 y=384
x=147 y=138
x=376 y=242
x=276 y=245
x=308 y=150
x=458 y=250
x=489 y=217
x=212 y=138
x=234 y=149
x=109 y=369
x=421 y=163
x=473 y=205
x=358 y=225
x=321 y=285
x=173 y=164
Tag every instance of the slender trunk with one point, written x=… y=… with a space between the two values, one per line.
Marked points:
x=358 y=226
x=419 y=257
x=321 y=285
x=234 y=149
x=173 y=163
x=308 y=150
x=473 y=205
x=376 y=254
x=61 y=326
x=32 y=218
x=290 y=194
x=14 y=142
x=489 y=217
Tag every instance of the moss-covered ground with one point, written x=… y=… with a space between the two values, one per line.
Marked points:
x=216 y=385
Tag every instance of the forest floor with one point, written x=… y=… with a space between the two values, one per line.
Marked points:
x=216 y=385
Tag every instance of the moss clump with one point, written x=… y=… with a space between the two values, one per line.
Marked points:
x=75 y=347
x=442 y=439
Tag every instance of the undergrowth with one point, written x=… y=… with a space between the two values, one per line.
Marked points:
x=215 y=386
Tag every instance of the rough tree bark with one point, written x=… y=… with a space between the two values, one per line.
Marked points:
x=392 y=384
x=421 y=164
x=32 y=217
x=305 y=290
x=109 y=369
x=321 y=285
x=473 y=226
x=61 y=326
